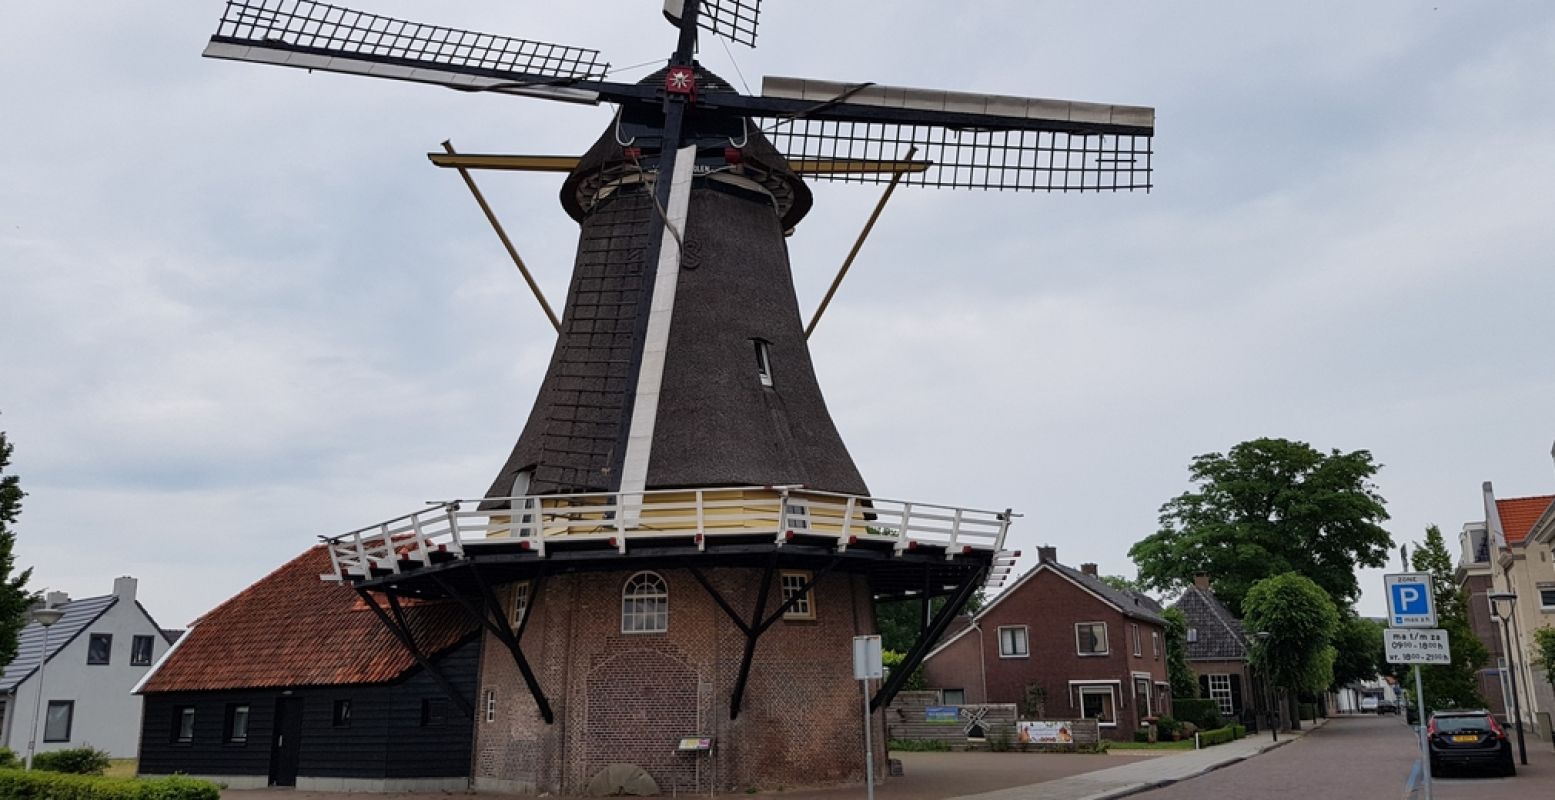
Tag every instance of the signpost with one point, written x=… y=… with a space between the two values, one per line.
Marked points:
x=868 y=663
x=1413 y=638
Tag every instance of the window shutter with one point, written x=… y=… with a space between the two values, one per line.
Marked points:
x=1236 y=693
x=1203 y=686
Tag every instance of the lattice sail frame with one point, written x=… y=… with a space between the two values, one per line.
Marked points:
x=309 y=26
x=734 y=20
x=973 y=159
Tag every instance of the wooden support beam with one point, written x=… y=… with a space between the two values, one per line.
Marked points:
x=733 y=615
x=751 y=635
x=503 y=632
x=858 y=245
x=401 y=631
x=507 y=243
x=802 y=166
x=926 y=640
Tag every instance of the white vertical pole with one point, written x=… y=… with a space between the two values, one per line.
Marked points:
x=1425 y=744
x=869 y=743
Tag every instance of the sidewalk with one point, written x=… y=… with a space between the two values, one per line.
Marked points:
x=1147 y=774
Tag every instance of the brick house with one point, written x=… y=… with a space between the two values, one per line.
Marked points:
x=1218 y=650
x=1094 y=651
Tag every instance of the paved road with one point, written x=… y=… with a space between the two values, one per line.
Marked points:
x=1350 y=757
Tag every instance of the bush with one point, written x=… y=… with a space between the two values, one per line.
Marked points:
x=1308 y=711
x=1202 y=712
x=8 y=759
x=1142 y=735
x=917 y=746
x=20 y=785
x=1167 y=729
x=1217 y=736
x=76 y=761
x=1238 y=731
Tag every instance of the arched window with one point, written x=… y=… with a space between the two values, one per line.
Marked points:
x=645 y=604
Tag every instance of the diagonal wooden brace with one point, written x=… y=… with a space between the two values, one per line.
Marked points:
x=401 y=630
x=497 y=624
x=927 y=638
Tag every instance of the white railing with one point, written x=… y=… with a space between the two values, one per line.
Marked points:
x=442 y=531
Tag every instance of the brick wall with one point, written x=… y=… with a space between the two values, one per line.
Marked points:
x=628 y=698
x=1049 y=605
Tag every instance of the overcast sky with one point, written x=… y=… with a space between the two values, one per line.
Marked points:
x=239 y=309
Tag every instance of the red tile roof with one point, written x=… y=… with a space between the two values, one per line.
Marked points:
x=292 y=629
x=1518 y=514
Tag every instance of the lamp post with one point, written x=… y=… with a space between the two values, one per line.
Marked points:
x=1272 y=715
x=1510 y=599
x=46 y=617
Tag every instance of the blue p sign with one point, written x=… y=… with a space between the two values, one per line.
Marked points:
x=1409 y=601
x=1409 y=598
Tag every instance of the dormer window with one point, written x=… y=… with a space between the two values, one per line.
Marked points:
x=763 y=362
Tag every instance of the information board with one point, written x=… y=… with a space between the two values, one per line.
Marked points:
x=1416 y=646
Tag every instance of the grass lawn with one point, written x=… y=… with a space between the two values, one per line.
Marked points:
x=1186 y=744
x=121 y=768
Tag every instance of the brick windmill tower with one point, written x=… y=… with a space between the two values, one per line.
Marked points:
x=680 y=544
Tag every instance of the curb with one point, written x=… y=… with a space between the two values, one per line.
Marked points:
x=1137 y=788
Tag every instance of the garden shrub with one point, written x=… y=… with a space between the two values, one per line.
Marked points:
x=8 y=759
x=1217 y=736
x=1202 y=712
x=18 y=784
x=75 y=760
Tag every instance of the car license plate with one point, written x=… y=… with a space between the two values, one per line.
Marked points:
x=1465 y=738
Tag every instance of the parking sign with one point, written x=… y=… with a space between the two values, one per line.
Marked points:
x=1410 y=602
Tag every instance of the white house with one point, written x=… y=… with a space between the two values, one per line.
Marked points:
x=97 y=652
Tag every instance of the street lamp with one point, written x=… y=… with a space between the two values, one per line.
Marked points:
x=1510 y=598
x=46 y=617
x=1273 y=714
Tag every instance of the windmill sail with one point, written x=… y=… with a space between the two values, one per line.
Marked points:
x=971 y=140
x=734 y=20
x=310 y=35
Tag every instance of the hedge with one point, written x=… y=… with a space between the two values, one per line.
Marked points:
x=1221 y=735
x=1201 y=711
x=36 y=785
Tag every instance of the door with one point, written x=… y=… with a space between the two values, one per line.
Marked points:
x=286 y=741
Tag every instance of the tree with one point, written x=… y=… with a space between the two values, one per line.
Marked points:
x=1184 y=683
x=1298 y=654
x=1358 y=652
x=899 y=621
x=1453 y=685
x=1265 y=508
x=1123 y=584
x=15 y=599
x=1544 y=652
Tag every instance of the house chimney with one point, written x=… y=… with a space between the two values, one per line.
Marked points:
x=1047 y=555
x=124 y=588
x=1089 y=569
x=1201 y=580
x=55 y=599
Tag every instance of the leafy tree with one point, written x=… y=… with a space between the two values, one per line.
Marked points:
x=1544 y=652
x=1184 y=683
x=900 y=620
x=1452 y=685
x=1298 y=654
x=14 y=597
x=1265 y=508
x=1123 y=584
x=1358 y=652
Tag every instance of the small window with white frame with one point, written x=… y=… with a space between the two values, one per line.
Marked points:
x=1091 y=639
x=1014 y=642
x=520 y=604
x=763 y=361
x=491 y=705
x=1155 y=645
x=1099 y=702
x=1133 y=630
x=796 y=582
x=1193 y=635
x=796 y=515
x=645 y=604
x=1547 y=597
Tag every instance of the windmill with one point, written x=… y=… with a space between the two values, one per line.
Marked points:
x=680 y=465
